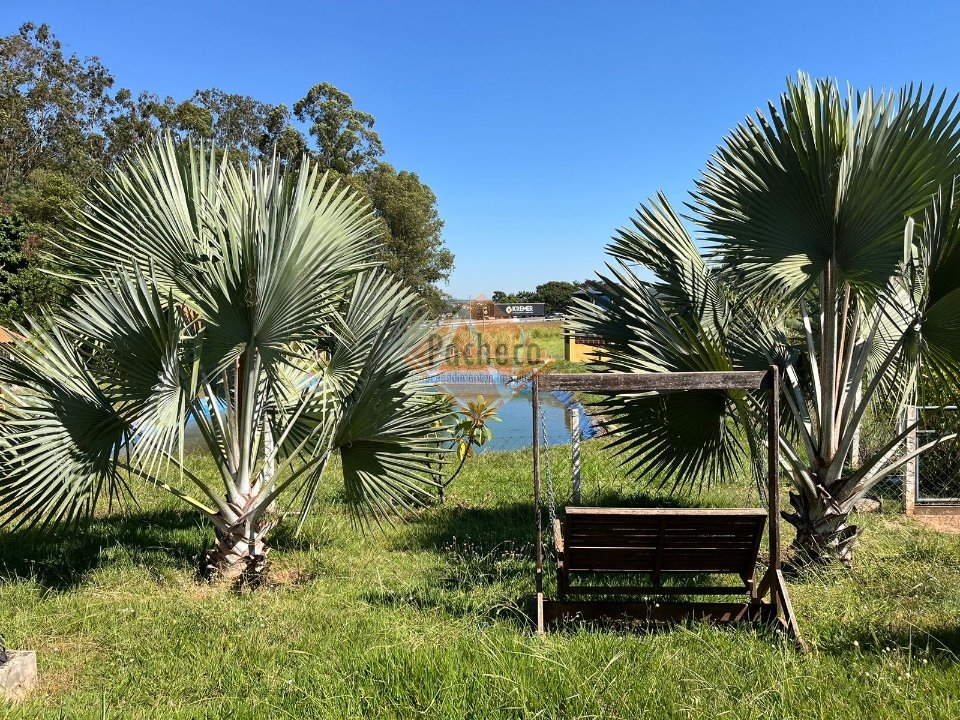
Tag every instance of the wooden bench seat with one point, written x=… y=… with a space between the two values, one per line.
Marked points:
x=647 y=546
x=658 y=543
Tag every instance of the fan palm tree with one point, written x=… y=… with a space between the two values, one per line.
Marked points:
x=835 y=253
x=243 y=299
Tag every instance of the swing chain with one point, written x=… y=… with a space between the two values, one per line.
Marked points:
x=551 y=495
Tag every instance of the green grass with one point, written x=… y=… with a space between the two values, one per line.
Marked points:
x=424 y=620
x=549 y=336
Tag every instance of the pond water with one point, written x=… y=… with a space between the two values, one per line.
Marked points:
x=514 y=430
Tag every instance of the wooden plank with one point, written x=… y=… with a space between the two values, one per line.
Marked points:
x=677 y=512
x=603 y=383
x=737 y=556
x=655 y=590
x=790 y=619
x=694 y=566
x=685 y=546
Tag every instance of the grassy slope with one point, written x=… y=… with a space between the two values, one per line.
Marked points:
x=424 y=620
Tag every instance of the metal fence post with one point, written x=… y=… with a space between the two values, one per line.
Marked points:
x=910 y=478
x=575 y=453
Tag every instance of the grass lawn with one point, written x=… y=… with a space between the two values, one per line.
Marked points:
x=425 y=620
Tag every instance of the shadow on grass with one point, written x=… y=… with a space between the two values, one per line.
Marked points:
x=487 y=553
x=61 y=557
x=508 y=522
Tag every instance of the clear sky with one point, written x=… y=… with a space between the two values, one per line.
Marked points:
x=539 y=125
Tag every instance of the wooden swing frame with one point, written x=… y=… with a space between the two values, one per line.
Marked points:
x=660 y=541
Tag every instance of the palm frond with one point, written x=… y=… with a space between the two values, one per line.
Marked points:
x=62 y=433
x=825 y=178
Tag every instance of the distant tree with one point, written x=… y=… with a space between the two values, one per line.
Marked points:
x=246 y=127
x=24 y=287
x=413 y=244
x=555 y=295
x=53 y=109
x=281 y=137
x=238 y=122
x=132 y=124
x=346 y=141
x=60 y=129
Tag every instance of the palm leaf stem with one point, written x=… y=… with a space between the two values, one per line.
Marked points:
x=218 y=448
x=268 y=494
x=866 y=481
x=316 y=464
x=796 y=467
x=829 y=361
x=811 y=354
x=845 y=330
x=850 y=401
x=835 y=467
x=250 y=373
x=800 y=409
x=211 y=494
x=222 y=522
x=848 y=342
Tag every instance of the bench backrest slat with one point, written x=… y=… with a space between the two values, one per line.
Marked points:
x=663 y=540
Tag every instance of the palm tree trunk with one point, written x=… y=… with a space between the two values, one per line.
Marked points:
x=240 y=554
x=823 y=532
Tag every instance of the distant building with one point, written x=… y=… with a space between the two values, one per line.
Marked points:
x=519 y=310
x=591 y=295
x=6 y=336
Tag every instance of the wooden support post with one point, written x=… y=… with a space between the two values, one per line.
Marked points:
x=773 y=474
x=773 y=467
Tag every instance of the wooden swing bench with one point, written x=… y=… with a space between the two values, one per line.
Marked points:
x=643 y=547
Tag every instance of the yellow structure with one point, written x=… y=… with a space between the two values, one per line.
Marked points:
x=581 y=349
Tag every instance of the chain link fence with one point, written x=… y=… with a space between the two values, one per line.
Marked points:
x=928 y=484
x=938 y=468
x=876 y=431
x=935 y=474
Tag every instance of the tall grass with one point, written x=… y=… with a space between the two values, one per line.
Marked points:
x=426 y=619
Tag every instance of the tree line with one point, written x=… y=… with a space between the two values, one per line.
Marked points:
x=63 y=125
x=555 y=295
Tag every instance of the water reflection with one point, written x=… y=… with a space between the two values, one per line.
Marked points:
x=515 y=429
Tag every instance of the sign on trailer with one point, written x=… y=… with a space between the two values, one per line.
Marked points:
x=520 y=309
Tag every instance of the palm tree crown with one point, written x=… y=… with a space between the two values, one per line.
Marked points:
x=244 y=299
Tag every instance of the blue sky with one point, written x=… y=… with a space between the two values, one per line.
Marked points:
x=539 y=125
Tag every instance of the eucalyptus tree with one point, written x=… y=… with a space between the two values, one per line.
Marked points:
x=243 y=299
x=835 y=254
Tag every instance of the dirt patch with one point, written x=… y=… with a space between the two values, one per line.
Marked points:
x=61 y=661
x=939 y=523
x=288 y=576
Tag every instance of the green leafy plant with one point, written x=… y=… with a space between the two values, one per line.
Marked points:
x=470 y=430
x=242 y=299
x=835 y=231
